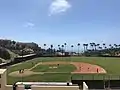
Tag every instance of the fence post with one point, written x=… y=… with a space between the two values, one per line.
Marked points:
x=103 y=77
x=93 y=77
x=82 y=77
x=109 y=81
x=110 y=77
x=104 y=80
x=104 y=83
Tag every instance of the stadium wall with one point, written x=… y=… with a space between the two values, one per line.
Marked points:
x=54 y=87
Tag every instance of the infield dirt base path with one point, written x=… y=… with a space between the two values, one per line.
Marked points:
x=81 y=68
x=87 y=68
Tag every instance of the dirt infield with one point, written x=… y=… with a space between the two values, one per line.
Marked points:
x=87 y=68
x=81 y=68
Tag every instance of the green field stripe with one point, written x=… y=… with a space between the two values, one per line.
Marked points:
x=47 y=77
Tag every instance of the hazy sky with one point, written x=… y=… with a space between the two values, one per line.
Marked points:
x=59 y=21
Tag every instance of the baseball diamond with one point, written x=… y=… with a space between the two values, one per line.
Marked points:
x=64 y=69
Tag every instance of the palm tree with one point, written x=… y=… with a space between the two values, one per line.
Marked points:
x=44 y=46
x=62 y=49
x=98 y=46
x=94 y=46
x=59 y=47
x=51 y=46
x=54 y=51
x=119 y=45
x=84 y=47
x=62 y=46
x=110 y=45
x=91 y=44
x=72 y=49
x=78 y=48
x=65 y=46
x=104 y=45
x=13 y=43
x=115 y=45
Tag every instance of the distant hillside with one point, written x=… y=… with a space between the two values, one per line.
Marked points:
x=12 y=54
x=4 y=53
x=2 y=60
x=19 y=48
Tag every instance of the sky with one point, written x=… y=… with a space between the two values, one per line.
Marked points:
x=60 y=21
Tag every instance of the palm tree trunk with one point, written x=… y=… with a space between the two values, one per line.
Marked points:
x=95 y=47
x=51 y=49
x=62 y=51
x=78 y=50
x=84 y=48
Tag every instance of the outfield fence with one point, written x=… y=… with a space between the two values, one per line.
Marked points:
x=95 y=77
x=86 y=87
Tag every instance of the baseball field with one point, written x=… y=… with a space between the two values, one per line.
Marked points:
x=59 y=69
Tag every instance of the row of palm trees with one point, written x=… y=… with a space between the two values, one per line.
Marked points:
x=93 y=46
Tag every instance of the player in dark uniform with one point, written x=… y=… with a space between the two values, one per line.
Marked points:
x=88 y=68
x=97 y=70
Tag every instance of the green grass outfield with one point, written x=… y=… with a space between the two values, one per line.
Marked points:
x=111 y=65
x=61 y=68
